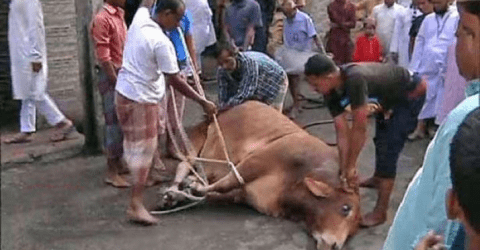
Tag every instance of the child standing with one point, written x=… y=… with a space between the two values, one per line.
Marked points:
x=367 y=46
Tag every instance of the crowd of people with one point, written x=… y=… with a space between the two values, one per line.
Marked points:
x=410 y=67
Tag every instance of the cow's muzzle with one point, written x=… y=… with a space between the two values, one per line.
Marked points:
x=326 y=242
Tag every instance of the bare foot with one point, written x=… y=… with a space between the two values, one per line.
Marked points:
x=141 y=216
x=374 y=218
x=117 y=181
x=20 y=138
x=371 y=182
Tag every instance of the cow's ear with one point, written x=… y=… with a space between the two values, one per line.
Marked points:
x=318 y=188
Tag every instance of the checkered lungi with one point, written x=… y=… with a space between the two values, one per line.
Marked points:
x=141 y=123
x=113 y=141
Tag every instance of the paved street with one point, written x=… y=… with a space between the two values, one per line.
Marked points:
x=64 y=204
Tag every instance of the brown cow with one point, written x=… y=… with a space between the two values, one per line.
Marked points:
x=287 y=172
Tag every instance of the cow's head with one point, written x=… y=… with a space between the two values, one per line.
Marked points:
x=332 y=215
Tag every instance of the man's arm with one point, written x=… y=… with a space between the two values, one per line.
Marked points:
x=101 y=41
x=183 y=87
x=418 y=48
x=247 y=86
x=319 y=44
x=342 y=130
x=192 y=51
x=33 y=11
x=350 y=142
x=249 y=37
x=358 y=136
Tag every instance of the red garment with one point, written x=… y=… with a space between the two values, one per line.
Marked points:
x=109 y=32
x=342 y=17
x=367 y=49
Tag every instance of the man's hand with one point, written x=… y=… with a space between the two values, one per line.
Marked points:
x=393 y=57
x=209 y=107
x=349 y=179
x=431 y=242
x=36 y=66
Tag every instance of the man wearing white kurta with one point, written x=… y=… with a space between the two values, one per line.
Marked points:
x=429 y=56
x=401 y=37
x=202 y=27
x=28 y=55
x=385 y=15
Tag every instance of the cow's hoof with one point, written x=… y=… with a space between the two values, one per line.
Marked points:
x=198 y=188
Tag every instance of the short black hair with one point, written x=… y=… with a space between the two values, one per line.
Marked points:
x=131 y=7
x=172 y=5
x=472 y=7
x=465 y=167
x=319 y=65
x=221 y=46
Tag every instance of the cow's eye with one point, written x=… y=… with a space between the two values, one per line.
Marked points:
x=346 y=210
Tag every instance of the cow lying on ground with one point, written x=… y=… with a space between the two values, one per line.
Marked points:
x=287 y=172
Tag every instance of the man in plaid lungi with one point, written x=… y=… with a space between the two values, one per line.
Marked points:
x=149 y=58
x=109 y=32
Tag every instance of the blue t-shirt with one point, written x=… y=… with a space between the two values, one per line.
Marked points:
x=241 y=14
x=299 y=32
x=177 y=40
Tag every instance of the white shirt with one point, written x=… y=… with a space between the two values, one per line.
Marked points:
x=147 y=55
x=429 y=56
x=401 y=38
x=385 y=18
x=26 y=39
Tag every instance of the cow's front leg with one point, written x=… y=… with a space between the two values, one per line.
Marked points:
x=226 y=184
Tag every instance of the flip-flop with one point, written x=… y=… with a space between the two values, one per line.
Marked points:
x=65 y=134
x=19 y=139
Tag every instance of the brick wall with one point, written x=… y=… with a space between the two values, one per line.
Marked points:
x=8 y=107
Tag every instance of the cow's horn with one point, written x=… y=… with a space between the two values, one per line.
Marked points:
x=318 y=188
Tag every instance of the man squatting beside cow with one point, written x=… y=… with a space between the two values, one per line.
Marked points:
x=399 y=94
x=249 y=76
x=149 y=58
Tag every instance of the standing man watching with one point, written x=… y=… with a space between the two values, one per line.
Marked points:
x=242 y=19
x=109 y=32
x=28 y=55
x=424 y=202
x=399 y=95
x=149 y=58
x=342 y=20
x=429 y=58
x=385 y=14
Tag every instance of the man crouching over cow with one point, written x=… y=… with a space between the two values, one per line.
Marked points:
x=149 y=57
x=249 y=75
x=399 y=96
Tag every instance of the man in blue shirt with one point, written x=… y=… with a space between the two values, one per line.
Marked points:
x=242 y=19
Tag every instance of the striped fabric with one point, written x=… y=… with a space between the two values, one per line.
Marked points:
x=140 y=124
x=261 y=78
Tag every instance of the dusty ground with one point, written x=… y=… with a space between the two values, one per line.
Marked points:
x=65 y=205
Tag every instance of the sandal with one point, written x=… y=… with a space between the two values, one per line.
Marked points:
x=65 y=134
